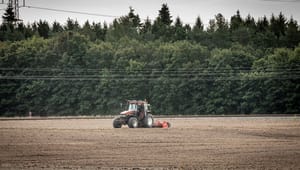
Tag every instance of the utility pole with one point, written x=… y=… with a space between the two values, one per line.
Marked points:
x=14 y=4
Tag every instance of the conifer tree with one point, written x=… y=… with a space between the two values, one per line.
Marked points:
x=43 y=29
x=164 y=15
x=236 y=21
x=9 y=16
x=262 y=24
x=56 y=27
x=198 y=25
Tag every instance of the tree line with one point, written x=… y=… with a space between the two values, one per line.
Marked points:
x=240 y=66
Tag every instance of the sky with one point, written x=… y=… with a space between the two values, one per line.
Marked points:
x=187 y=10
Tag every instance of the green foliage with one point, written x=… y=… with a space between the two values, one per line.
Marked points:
x=9 y=16
x=164 y=16
x=128 y=25
x=241 y=67
x=43 y=29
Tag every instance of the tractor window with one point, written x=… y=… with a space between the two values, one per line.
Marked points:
x=132 y=107
x=148 y=107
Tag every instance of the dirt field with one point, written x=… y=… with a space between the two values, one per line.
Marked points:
x=191 y=143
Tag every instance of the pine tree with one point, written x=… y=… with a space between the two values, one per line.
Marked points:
x=87 y=31
x=146 y=27
x=134 y=18
x=162 y=25
x=236 y=21
x=262 y=24
x=131 y=20
x=278 y=25
x=281 y=21
x=146 y=30
x=34 y=27
x=212 y=26
x=43 y=29
x=72 y=25
x=250 y=22
x=105 y=28
x=164 y=15
x=292 y=33
x=56 y=27
x=97 y=28
x=9 y=16
x=221 y=23
x=178 y=22
x=87 y=26
x=179 y=30
x=20 y=27
x=198 y=25
x=187 y=28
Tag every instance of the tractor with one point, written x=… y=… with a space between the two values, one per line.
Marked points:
x=137 y=115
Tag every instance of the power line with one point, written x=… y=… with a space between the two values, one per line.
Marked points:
x=149 y=75
x=146 y=79
x=145 y=72
x=74 y=12
x=277 y=68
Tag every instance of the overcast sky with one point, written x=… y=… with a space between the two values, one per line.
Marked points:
x=187 y=10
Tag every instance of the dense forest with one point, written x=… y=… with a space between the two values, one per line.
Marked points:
x=239 y=65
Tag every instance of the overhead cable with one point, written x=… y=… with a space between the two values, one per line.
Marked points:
x=69 y=11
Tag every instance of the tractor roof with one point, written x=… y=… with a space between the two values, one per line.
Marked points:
x=137 y=101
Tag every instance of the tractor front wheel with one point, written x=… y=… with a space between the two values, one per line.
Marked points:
x=133 y=122
x=117 y=123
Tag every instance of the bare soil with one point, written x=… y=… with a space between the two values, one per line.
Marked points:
x=191 y=143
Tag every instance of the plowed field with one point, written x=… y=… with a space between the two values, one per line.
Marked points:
x=191 y=143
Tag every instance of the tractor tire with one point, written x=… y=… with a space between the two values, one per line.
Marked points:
x=169 y=124
x=117 y=123
x=133 y=122
x=148 y=121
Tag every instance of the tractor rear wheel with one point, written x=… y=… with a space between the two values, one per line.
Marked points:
x=148 y=121
x=133 y=122
x=117 y=123
x=169 y=124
